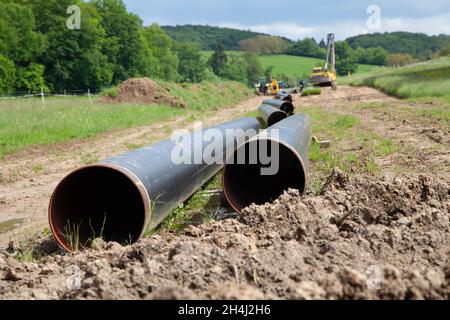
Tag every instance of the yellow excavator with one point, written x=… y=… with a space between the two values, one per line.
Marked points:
x=326 y=77
x=267 y=87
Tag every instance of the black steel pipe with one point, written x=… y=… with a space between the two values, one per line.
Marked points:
x=246 y=181
x=119 y=199
x=291 y=91
x=271 y=115
x=283 y=96
x=284 y=106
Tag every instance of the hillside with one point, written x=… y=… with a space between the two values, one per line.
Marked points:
x=207 y=36
x=418 y=45
x=423 y=80
x=290 y=66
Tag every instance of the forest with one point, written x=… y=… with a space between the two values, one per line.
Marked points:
x=39 y=50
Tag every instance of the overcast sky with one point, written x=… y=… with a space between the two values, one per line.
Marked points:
x=298 y=18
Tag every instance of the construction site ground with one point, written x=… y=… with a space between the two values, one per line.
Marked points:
x=375 y=228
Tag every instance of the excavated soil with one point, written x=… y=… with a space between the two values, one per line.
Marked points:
x=143 y=91
x=361 y=239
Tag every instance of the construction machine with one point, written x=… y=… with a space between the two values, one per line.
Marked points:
x=326 y=76
x=267 y=87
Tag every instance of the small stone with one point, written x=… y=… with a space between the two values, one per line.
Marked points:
x=98 y=244
x=11 y=275
x=3 y=264
x=405 y=221
x=114 y=247
x=434 y=279
x=308 y=290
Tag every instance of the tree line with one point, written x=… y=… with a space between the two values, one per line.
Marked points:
x=37 y=49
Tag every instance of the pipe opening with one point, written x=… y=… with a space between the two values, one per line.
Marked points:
x=244 y=184
x=288 y=107
x=97 y=201
x=276 y=117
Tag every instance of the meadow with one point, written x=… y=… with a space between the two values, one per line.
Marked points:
x=25 y=121
x=417 y=82
x=291 y=66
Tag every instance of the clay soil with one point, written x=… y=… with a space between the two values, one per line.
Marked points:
x=362 y=237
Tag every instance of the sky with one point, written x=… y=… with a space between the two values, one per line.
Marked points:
x=297 y=19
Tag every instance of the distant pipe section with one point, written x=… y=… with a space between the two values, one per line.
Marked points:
x=121 y=198
x=284 y=106
x=246 y=181
x=283 y=96
x=271 y=115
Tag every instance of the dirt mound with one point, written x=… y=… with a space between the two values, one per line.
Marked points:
x=361 y=239
x=143 y=91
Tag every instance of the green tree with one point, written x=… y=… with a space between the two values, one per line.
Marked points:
x=31 y=78
x=123 y=33
x=263 y=44
x=345 y=58
x=445 y=51
x=268 y=72
x=19 y=40
x=219 y=60
x=307 y=48
x=375 y=56
x=236 y=69
x=399 y=59
x=191 y=67
x=7 y=75
x=254 y=67
x=161 y=46
x=74 y=58
x=322 y=44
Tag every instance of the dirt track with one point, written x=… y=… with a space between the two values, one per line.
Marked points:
x=24 y=195
x=392 y=233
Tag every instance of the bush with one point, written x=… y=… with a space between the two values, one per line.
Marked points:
x=399 y=59
x=7 y=75
x=31 y=78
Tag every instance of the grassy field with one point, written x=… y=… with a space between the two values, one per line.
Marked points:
x=417 y=82
x=292 y=66
x=25 y=122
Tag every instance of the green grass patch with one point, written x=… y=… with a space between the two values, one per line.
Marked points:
x=291 y=66
x=353 y=149
x=425 y=80
x=10 y=225
x=25 y=122
x=202 y=206
x=312 y=92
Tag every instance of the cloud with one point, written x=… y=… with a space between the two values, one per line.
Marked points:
x=432 y=25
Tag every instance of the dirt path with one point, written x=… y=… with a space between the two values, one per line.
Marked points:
x=25 y=191
x=424 y=143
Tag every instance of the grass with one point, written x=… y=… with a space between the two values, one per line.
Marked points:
x=311 y=92
x=291 y=66
x=25 y=122
x=297 y=67
x=420 y=82
x=354 y=149
x=37 y=168
x=10 y=225
x=201 y=204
